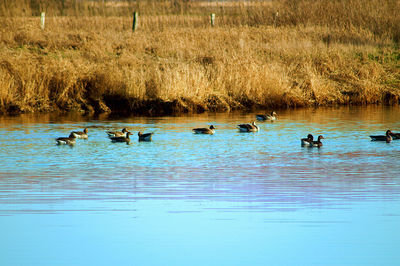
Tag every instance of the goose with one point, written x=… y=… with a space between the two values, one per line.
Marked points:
x=307 y=141
x=81 y=134
x=204 y=130
x=122 y=138
x=66 y=141
x=317 y=143
x=117 y=133
x=271 y=117
x=388 y=137
x=144 y=137
x=248 y=127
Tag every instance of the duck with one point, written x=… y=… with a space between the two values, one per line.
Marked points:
x=204 y=130
x=66 y=140
x=387 y=137
x=307 y=141
x=144 y=137
x=81 y=134
x=271 y=117
x=122 y=138
x=318 y=142
x=248 y=127
x=117 y=133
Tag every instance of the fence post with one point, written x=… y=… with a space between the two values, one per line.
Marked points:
x=135 y=21
x=212 y=17
x=42 y=18
x=276 y=17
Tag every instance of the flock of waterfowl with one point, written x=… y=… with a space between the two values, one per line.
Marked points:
x=124 y=134
x=115 y=136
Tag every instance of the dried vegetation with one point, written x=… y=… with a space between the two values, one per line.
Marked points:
x=259 y=54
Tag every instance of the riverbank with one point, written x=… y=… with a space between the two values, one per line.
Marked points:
x=178 y=63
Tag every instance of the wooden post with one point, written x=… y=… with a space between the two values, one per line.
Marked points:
x=212 y=17
x=42 y=18
x=135 y=21
x=276 y=18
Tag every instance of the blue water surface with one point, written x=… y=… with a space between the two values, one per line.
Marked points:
x=184 y=199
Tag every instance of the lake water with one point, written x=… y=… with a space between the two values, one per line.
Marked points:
x=183 y=199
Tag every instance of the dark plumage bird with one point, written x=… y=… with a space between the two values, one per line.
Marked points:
x=144 y=137
x=307 y=141
x=387 y=137
x=81 y=134
x=66 y=141
x=204 y=130
x=317 y=143
x=122 y=139
x=248 y=127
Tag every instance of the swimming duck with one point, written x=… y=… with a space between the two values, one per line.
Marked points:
x=307 y=141
x=317 y=143
x=388 y=137
x=117 y=133
x=144 y=137
x=122 y=138
x=248 y=127
x=81 y=134
x=66 y=141
x=271 y=117
x=204 y=130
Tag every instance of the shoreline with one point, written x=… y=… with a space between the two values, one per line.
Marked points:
x=157 y=107
x=180 y=108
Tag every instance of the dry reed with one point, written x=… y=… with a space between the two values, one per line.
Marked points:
x=259 y=55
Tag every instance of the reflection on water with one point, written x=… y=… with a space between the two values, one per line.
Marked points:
x=226 y=199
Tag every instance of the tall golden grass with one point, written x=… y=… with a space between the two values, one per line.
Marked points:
x=259 y=55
